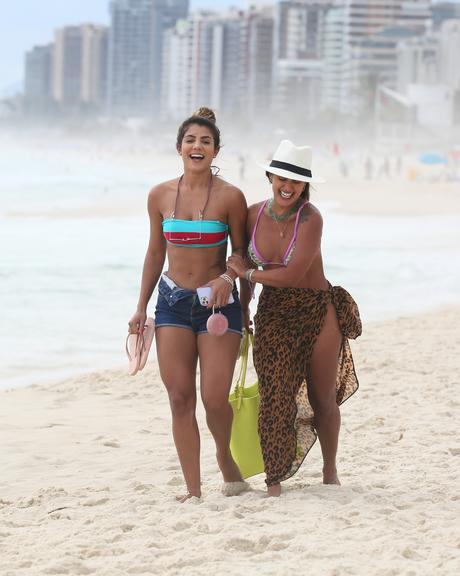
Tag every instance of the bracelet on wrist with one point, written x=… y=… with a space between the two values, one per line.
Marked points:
x=233 y=275
x=227 y=278
x=248 y=274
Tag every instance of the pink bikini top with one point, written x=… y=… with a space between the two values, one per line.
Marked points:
x=257 y=257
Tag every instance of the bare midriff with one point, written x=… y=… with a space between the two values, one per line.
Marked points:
x=193 y=267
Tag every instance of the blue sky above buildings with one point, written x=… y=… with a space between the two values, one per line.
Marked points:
x=26 y=23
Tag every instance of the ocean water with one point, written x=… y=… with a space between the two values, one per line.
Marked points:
x=70 y=263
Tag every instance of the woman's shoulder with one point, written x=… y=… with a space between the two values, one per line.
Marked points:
x=227 y=187
x=163 y=187
x=254 y=208
x=230 y=196
x=159 y=197
x=312 y=211
x=312 y=215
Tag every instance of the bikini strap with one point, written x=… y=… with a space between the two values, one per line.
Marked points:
x=200 y=212
x=296 y=227
x=259 y=213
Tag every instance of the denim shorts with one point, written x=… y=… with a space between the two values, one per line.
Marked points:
x=180 y=307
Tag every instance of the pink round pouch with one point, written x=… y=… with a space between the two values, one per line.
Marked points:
x=217 y=324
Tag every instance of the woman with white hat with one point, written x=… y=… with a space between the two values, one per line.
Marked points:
x=301 y=351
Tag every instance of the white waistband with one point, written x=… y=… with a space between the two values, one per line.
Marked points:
x=169 y=282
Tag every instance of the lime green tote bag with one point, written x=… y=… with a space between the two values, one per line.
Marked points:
x=244 y=441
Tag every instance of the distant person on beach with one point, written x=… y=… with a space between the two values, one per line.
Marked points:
x=302 y=325
x=369 y=168
x=191 y=219
x=384 y=170
x=242 y=166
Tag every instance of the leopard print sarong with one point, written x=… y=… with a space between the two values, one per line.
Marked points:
x=287 y=323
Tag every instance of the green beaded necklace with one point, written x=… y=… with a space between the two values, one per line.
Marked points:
x=284 y=216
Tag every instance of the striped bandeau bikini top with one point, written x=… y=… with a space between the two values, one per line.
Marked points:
x=194 y=233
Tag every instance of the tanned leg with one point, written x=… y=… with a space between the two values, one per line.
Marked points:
x=218 y=355
x=322 y=392
x=177 y=358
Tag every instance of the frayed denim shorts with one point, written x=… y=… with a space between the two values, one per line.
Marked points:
x=180 y=307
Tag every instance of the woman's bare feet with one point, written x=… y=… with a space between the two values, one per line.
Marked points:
x=330 y=476
x=234 y=488
x=192 y=494
x=274 y=491
x=228 y=467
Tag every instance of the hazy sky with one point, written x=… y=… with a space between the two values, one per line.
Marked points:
x=26 y=23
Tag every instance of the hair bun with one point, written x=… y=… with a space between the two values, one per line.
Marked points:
x=207 y=113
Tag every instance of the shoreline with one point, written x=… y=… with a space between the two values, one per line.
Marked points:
x=90 y=473
x=135 y=163
x=69 y=375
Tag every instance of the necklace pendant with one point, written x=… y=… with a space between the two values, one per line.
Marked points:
x=281 y=234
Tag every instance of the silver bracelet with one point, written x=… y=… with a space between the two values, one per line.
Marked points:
x=248 y=274
x=227 y=278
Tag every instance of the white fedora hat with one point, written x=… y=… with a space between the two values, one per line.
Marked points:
x=293 y=162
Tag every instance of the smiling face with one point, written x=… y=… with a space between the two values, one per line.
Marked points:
x=286 y=192
x=197 y=148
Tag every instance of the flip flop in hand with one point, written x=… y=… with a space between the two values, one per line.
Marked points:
x=138 y=347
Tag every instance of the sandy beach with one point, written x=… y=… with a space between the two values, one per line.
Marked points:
x=89 y=475
x=89 y=471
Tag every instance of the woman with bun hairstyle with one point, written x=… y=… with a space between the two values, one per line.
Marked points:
x=302 y=325
x=191 y=218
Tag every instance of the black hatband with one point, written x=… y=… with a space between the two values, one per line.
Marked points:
x=290 y=168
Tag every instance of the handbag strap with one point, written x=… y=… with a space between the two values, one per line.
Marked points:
x=248 y=340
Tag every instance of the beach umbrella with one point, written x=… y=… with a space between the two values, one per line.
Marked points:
x=432 y=158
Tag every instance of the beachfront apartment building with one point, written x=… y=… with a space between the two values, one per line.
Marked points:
x=428 y=75
x=298 y=43
x=224 y=61
x=192 y=53
x=79 y=68
x=67 y=67
x=450 y=49
x=360 y=42
x=136 y=53
x=38 y=99
x=95 y=40
x=258 y=63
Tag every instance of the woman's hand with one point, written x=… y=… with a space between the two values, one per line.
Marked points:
x=221 y=290
x=137 y=322
x=237 y=264
x=247 y=322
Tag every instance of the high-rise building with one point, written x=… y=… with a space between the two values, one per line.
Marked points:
x=333 y=57
x=80 y=67
x=358 y=51
x=67 y=67
x=259 y=63
x=165 y=15
x=450 y=51
x=441 y=11
x=38 y=80
x=94 y=66
x=222 y=61
x=191 y=72
x=418 y=62
x=135 y=53
x=297 y=62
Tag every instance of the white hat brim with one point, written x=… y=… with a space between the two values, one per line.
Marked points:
x=291 y=175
